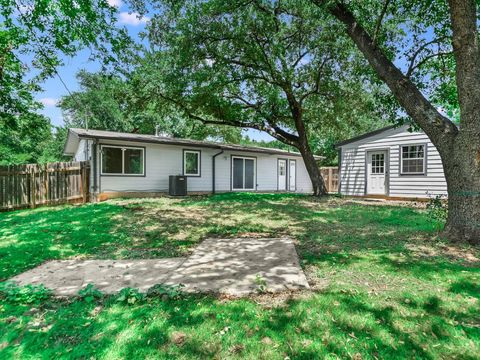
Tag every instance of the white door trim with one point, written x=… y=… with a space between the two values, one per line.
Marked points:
x=292 y=187
x=282 y=179
x=386 y=172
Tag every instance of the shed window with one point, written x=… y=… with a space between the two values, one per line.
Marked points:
x=118 y=160
x=413 y=159
x=191 y=163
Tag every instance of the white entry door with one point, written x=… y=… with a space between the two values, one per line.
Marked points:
x=292 y=175
x=376 y=172
x=282 y=175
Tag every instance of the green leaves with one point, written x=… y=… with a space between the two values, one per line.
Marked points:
x=28 y=294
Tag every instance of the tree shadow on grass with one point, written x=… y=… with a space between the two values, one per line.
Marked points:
x=29 y=238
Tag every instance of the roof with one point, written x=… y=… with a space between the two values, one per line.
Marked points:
x=74 y=135
x=364 y=136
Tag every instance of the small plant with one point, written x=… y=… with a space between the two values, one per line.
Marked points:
x=27 y=294
x=261 y=283
x=130 y=296
x=89 y=293
x=163 y=290
x=437 y=209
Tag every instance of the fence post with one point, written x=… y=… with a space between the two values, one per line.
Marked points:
x=33 y=187
x=330 y=178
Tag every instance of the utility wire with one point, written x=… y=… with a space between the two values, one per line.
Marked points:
x=53 y=67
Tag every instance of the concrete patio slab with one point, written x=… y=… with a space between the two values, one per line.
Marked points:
x=228 y=266
x=67 y=277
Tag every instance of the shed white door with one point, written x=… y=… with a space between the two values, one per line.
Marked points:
x=292 y=175
x=282 y=175
x=376 y=172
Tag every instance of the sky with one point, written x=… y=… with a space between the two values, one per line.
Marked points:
x=53 y=89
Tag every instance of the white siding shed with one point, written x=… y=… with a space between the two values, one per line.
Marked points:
x=391 y=162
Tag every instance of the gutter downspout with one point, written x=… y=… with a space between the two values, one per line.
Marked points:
x=339 y=170
x=213 y=170
x=94 y=170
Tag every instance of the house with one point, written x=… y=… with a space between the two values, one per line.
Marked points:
x=125 y=164
x=391 y=163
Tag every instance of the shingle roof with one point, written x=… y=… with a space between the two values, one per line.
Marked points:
x=112 y=135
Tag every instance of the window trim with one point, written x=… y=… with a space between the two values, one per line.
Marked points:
x=255 y=185
x=425 y=155
x=122 y=174
x=184 y=163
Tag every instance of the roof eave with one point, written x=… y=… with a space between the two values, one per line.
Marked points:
x=363 y=136
x=180 y=143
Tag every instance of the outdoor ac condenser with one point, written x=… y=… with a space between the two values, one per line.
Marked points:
x=177 y=185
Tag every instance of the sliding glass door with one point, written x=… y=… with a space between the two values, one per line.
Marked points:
x=243 y=173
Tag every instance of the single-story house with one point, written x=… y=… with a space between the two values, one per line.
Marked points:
x=391 y=163
x=123 y=164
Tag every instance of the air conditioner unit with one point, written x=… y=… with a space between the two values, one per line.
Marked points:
x=177 y=185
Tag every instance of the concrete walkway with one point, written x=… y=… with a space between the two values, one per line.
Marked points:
x=228 y=266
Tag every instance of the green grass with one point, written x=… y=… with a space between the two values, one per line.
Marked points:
x=384 y=285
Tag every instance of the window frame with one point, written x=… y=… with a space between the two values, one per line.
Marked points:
x=254 y=158
x=184 y=162
x=425 y=155
x=122 y=174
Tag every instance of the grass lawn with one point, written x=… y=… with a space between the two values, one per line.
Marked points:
x=383 y=284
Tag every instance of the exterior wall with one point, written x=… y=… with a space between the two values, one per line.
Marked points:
x=163 y=160
x=80 y=154
x=353 y=164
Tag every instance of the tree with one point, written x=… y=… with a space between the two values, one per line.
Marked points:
x=454 y=28
x=34 y=36
x=113 y=102
x=274 y=66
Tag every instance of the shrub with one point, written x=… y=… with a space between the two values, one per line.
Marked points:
x=163 y=290
x=27 y=294
x=437 y=209
x=89 y=293
x=130 y=296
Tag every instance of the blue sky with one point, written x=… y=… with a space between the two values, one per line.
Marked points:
x=53 y=89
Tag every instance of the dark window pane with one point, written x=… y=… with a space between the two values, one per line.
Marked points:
x=133 y=161
x=111 y=160
x=238 y=173
x=191 y=163
x=249 y=174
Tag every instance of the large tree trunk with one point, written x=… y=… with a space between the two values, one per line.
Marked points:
x=462 y=171
x=462 y=166
x=303 y=145
x=313 y=170
x=458 y=148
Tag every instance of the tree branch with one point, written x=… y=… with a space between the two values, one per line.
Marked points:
x=273 y=131
x=417 y=52
x=379 y=21
x=412 y=67
x=439 y=129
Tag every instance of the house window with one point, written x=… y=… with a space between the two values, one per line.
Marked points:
x=191 y=162
x=243 y=173
x=120 y=160
x=413 y=159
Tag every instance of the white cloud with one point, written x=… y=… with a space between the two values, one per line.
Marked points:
x=49 y=101
x=115 y=3
x=133 y=19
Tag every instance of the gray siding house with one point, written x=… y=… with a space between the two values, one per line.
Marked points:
x=125 y=164
x=391 y=163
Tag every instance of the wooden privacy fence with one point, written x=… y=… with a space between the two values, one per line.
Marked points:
x=330 y=176
x=34 y=185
